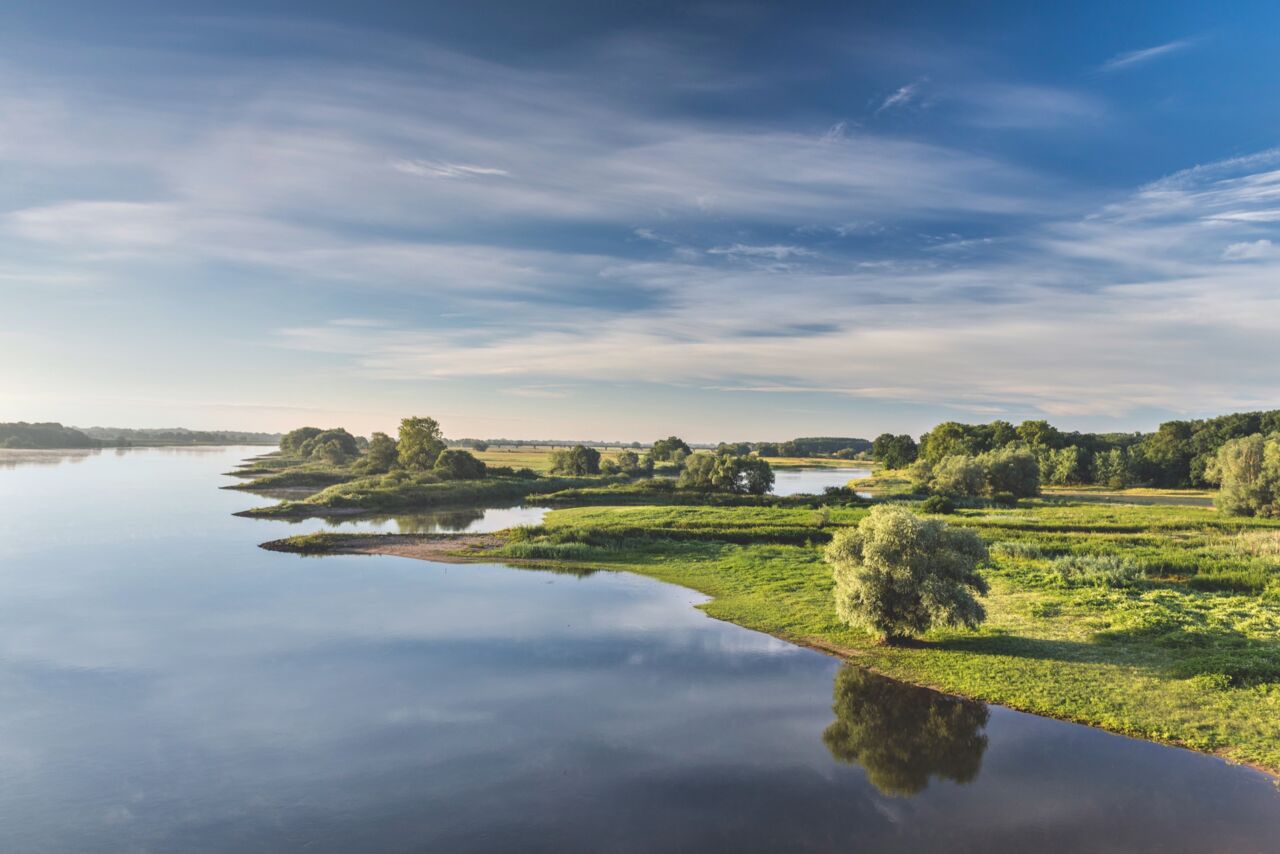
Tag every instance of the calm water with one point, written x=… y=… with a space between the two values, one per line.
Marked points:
x=167 y=686
x=813 y=481
x=481 y=520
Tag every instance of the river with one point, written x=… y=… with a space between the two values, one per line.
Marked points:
x=165 y=685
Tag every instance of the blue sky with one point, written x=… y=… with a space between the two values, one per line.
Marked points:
x=729 y=221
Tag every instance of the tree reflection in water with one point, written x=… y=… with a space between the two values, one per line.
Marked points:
x=903 y=735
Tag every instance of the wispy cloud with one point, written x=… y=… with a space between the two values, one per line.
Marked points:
x=903 y=96
x=441 y=169
x=1156 y=288
x=1146 y=54
x=777 y=251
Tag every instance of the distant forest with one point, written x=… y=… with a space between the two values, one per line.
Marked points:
x=1177 y=454
x=814 y=446
x=52 y=435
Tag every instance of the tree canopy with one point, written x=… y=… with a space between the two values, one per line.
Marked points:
x=381 y=455
x=894 y=451
x=578 y=460
x=670 y=449
x=899 y=574
x=726 y=473
x=421 y=442
x=1248 y=470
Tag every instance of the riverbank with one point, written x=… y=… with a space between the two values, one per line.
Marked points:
x=1187 y=653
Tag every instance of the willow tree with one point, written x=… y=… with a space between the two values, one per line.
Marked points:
x=898 y=574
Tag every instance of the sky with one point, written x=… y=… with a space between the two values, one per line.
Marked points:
x=729 y=221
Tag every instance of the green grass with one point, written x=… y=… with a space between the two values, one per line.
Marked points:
x=1169 y=628
x=317 y=476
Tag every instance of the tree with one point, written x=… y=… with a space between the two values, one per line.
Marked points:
x=1068 y=465
x=334 y=446
x=1112 y=468
x=949 y=439
x=1012 y=470
x=1248 y=470
x=899 y=574
x=958 y=475
x=727 y=473
x=457 y=464
x=381 y=454
x=903 y=735
x=665 y=450
x=290 y=442
x=421 y=442
x=578 y=460
x=480 y=447
x=629 y=463
x=330 y=451
x=894 y=451
x=1040 y=434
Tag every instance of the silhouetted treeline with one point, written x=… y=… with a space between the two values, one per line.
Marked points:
x=52 y=435
x=49 y=434
x=178 y=436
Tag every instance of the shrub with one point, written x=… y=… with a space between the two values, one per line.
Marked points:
x=1005 y=499
x=456 y=464
x=578 y=460
x=381 y=454
x=1095 y=571
x=958 y=475
x=899 y=574
x=1011 y=470
x=1017 y=548
x=938 y=504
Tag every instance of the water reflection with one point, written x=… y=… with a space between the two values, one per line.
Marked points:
x=903 y=735
x=12 y=458
x=471 y=520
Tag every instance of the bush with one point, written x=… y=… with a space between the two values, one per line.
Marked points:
x=1005 y=499
x=578 y=460
x=958 y=475
x=1011 y=470
x=938 y=504
x=1017 y=548
x=899 y=574
x=1095 y=571
x=456 y=464
x=381 y=454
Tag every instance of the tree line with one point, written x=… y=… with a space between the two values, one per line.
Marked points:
x=420 y=447
x=1177 y=454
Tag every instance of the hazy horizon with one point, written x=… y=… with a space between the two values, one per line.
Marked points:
x=727 y=221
